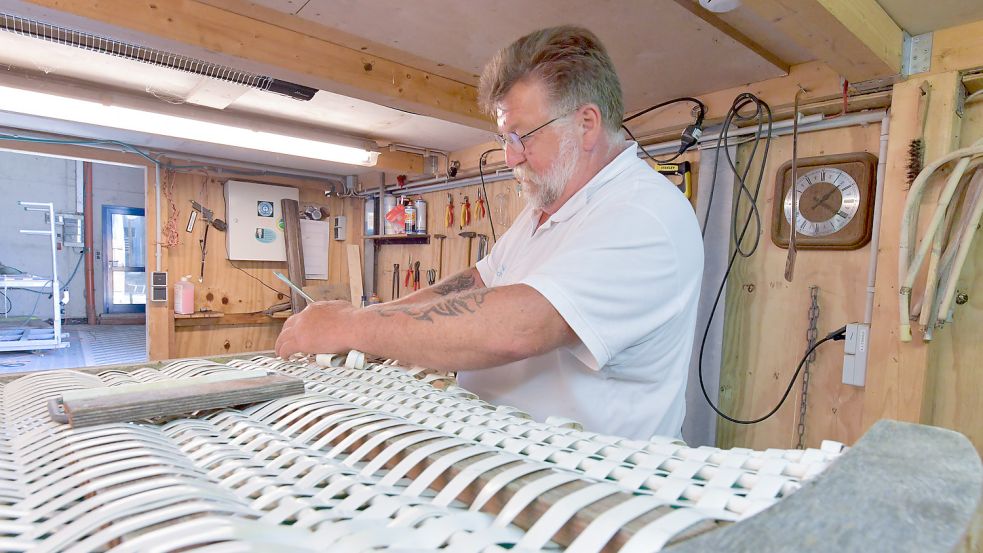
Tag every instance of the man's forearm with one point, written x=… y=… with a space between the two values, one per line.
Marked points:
x=472 y=329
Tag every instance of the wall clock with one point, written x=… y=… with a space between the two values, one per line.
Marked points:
x=836 y=202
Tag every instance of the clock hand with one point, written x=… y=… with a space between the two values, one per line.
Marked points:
x=824 y=198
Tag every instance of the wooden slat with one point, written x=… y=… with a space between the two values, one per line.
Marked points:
x=355 y=274
x=173 y=397
x=285 y=53
x=290 y=209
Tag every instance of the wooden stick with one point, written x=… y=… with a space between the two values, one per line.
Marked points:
x=295 y=251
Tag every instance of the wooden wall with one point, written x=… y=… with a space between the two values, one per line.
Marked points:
x=767 y=319
x=229 y=290
x=504 y=204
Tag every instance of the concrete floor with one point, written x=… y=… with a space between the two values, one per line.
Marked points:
x=89 y=346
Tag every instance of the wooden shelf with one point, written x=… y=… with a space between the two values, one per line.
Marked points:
x=200 y=315
x=383 y=239
x=214 y=318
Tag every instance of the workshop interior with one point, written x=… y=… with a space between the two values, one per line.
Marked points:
x=178 y=178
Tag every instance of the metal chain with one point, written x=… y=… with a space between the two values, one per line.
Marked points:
x=811 y=335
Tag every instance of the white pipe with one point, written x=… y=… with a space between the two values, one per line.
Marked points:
x=909 y=223
x=157 y=218
x=781 y=128
x=875 y=235
x=965 y=241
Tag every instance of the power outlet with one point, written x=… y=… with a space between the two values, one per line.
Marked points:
x=855 y=350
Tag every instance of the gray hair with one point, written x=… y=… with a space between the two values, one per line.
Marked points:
x=572 y=65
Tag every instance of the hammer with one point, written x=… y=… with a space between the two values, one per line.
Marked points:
x=470 y=236
x=440 y=257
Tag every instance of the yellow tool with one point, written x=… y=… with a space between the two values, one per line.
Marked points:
x=679 y=169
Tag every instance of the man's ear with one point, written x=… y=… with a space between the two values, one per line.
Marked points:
x=589 y=120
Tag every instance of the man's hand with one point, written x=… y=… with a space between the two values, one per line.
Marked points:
x=320 y=328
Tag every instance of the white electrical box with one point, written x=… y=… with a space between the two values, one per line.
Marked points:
x=255 y=220
x=340 y=226
x=855 y=351
x=315 y=240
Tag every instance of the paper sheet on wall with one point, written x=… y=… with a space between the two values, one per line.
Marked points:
x=315 y=238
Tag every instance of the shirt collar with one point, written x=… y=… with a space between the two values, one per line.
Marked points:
x=608 y=173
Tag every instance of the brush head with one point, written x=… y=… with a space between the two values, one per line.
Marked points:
x=916 y=155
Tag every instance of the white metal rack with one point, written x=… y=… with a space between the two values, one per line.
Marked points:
x=20 y=339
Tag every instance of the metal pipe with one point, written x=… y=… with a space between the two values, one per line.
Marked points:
x=87 y=243
x=875 y=235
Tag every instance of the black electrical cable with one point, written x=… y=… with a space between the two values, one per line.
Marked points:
x=484 y=191
x=9 y=304
x=838 y=334
x=702 y=107
x=691 y=134
x=763 y=116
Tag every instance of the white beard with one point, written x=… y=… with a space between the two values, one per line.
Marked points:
x=546 y=188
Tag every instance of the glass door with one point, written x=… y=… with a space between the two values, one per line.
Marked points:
x=124 y=259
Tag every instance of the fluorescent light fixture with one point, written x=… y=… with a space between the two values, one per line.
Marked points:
x=55 y=106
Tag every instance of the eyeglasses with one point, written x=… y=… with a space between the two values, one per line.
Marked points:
x=513 y=139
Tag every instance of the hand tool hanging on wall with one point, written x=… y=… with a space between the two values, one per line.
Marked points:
x=210 y=221
x=470 y=236
x=440 y=256
x=479 y=209
x=416 y=276
x=395 y=291
x=409 y=273
x=679 y=170
x=431 y=277
x=482 y=246
x=465 y=213
x=449 y=212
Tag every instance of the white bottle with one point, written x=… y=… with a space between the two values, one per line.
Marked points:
x=184 y=296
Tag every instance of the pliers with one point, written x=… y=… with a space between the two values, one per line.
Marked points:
x=416 y=275
x=465 y=213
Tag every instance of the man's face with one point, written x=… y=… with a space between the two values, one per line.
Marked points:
x=550 y=155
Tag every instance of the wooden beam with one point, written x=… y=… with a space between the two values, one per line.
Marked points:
x=958 y=48
x=857 y=38
x=284 y=53
x=731 y=31
x=400 y=162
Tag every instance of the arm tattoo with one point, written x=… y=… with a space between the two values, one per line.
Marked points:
x=455 y=284
x=460 y=304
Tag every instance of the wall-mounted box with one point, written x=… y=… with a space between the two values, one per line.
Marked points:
x=340 y=227
x=255 y=220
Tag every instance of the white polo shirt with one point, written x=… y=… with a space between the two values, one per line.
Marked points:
x=621 y=261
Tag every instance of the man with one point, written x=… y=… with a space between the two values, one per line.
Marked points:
x=586 y=307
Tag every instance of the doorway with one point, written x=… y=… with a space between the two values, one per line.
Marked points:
x=124 y=259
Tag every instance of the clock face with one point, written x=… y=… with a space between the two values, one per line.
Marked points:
x=835 y=202
x=828 y=199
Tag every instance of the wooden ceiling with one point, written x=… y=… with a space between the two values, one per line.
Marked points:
x=398 y=71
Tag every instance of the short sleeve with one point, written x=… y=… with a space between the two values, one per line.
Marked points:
x=614 y=282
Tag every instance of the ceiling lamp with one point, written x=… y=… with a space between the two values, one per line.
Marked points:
x=194 y=126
